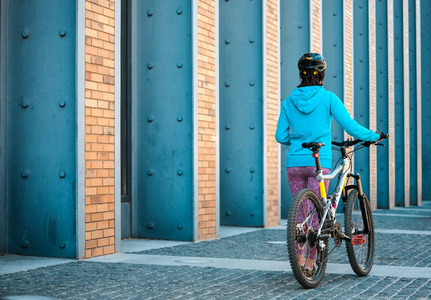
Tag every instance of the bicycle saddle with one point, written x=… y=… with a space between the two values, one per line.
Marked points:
x=313 y=144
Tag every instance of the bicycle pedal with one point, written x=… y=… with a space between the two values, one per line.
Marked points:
x=359 y=239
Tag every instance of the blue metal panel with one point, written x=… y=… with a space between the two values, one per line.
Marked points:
x=332 y=45
x=41 y=127
x=241 y=137
x=295 y=41
x=426 y=98
x=361 y=87
x=164 y=132
x=412 y=105
x=382 y=102
x=399 y=102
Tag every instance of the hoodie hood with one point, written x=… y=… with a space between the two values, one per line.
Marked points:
x=307 y=98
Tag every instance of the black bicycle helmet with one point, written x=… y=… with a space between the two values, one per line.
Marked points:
x=313 y=61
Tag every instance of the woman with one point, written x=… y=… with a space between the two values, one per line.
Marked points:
x=306 y=116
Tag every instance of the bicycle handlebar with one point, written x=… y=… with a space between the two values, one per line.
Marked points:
x=350 y=143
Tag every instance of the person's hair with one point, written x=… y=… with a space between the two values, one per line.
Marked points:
x=309 y=78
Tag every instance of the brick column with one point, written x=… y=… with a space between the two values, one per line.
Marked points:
x=272 y=96
x=373 y=105
x=391 y=94
x=419 y=100
x=406 y=102
x=206 y=120
x=348 y=55
x=315 y=27
x=99 y=128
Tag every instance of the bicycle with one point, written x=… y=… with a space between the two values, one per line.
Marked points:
x=316 y=224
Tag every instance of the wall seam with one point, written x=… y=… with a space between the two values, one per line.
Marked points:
x=80 y=109
x=217 y=116
x=195 y=121
x=117 y=142
x=264 y=111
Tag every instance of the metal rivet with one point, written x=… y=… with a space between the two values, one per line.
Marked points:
x=252 y=170
x=334 y=45
x=150 y=12
x=299 y=26
x=25 y=173
x=361 y=88
x=151 y=226
x=251 y=41
x=62 y=103
x=227 y=84
x=150 y=172
x=361 y=115
x=227 y=41
x=361 y=61
x=25 y=34
x=335 y=138
x=334 y=14
x=227 y=127
x=179 y=11
x=227 y=170
x=179 y=65
x=335 y=76
x=252 y=83
x=62 y=32
x=180 y=226
x=150 y=66
x=62 y=174
x=150 y=119
x=62 y=245
x=228 y=213
x=25 y=244
x=24 y=104
x=179 y=172
x=252 y=213
x=179 y=118
x=251 y=126
x=360 y=34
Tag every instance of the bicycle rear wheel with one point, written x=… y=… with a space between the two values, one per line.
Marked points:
x=301 y=240
x=361 y=249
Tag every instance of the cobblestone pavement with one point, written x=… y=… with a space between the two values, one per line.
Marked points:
x=104 y=279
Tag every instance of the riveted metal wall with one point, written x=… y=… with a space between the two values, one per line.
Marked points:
x=382 y=102
x=41 y=127
x=164 y=122
x=332 y=45
x=426 y=98
x=295 y=41
x=241 y=113
x=3 y=125
x=413 y=109
x=399 y=102
x=361 y=63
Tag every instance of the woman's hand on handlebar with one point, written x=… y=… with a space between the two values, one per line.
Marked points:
x=382 y=136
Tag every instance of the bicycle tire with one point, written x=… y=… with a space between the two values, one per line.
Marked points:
x=360 y=256
x=300 y=274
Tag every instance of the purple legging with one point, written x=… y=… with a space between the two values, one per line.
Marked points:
x=301 y=178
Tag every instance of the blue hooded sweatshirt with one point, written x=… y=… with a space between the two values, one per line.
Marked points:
x=306 y=116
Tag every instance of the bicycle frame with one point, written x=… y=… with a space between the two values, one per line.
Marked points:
x=344 y=168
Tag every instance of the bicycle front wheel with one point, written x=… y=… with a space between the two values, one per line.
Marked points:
x=308 y=263
x=361 y=248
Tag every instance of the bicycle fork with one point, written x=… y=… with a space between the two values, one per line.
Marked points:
x=365 y=216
